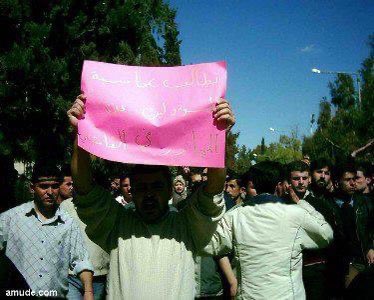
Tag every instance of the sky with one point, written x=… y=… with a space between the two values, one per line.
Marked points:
x=270 y=48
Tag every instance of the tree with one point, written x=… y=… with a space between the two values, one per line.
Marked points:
x=243 y=160
x=232 y=148
x=287 y=149
x=342 y=91
x=43 y=45
x=324 y=113
x=263 y=147
x=350 y=128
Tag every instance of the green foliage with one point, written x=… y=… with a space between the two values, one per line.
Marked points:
x=342 y=91
x=243 y=160
x=232 y=149
x=43 y=45
x=324 y=113
x=287 y=149
x=351 y=127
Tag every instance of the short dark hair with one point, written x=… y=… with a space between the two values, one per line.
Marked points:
x=264 y=176
x=196 y=170
x=123 y=176
x=147 y=169
x=46 y=169
x=365 y=167
x=297 y=166
x=342 y=168
x=319 y=164
x=237 y=177
x=66 y=170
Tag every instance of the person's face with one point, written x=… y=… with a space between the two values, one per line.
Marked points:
x=347 y=183
x=66 y=188
x=321 y=177
x=361 y=182
x=46 y=192
x=196 y=178
x=250 y=190
x=282 y=189
x=125 y=189
x=150 y=193
x=300 y=181
x=114 y=185
x=178 y=187
x=232 y=189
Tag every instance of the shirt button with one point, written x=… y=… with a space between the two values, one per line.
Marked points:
x=41 y=258
x=42 y=241
x=40 y=275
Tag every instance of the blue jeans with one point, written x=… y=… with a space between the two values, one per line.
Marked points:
x=76 y=288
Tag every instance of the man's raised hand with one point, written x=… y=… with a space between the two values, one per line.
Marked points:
x=77 y=110
x=223 y=114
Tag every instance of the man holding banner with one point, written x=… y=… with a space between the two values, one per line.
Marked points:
x=151 y=248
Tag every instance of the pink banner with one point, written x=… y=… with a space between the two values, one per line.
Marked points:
x=153 y=115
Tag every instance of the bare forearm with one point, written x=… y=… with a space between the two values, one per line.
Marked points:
x=81 y=170
x=216 y=180
x=86 y=278
x=224 y=264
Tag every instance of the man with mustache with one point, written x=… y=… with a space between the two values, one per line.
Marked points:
x=317 y=273
x=321 y=177
x=151 y=248
x=358 y=220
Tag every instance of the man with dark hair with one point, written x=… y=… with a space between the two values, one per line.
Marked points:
x=234 y=191
x=125 y=196
x=267 y=237
x=357 y=216
x=265 y=178
x=42 y=241
x=66 y=187
x=363 y=179
x=299 y=179
x=321 y=170
x=151 y=248
x=318 y=266
x=98 y=257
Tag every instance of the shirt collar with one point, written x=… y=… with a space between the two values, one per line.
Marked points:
x=307 y=193
x=59 y=216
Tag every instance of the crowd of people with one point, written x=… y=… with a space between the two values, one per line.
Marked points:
x=295 y=231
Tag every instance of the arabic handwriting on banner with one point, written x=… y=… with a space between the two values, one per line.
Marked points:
x=153 y=115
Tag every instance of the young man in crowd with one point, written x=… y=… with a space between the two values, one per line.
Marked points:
x=151 y=248
x=321 y=170
x=267 y=240
x=98 y=257
x=358 y=224
x=319 y=274
x=363 y=180
x=125 y=196
x=234 y=191
x=66 y=187
x=42 y=241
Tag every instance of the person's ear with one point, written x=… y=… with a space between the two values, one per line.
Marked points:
x=32 y=189
x=336 y=184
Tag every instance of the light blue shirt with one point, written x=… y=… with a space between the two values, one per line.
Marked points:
x=340 y=202
x=43 y=251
